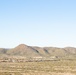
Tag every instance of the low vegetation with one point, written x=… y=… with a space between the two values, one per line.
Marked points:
x=60 y=67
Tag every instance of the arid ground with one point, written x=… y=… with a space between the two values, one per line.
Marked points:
x=60 y=67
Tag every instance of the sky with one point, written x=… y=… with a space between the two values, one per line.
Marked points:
x=37 y=23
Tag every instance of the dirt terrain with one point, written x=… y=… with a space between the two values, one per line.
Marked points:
x=61 y=67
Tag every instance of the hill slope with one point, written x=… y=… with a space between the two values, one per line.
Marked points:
x=33 y=51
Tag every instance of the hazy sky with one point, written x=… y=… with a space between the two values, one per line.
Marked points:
x=38 y=22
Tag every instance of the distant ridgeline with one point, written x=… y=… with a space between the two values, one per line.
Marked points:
x=24 y=53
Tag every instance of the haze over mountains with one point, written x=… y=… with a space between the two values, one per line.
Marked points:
x=33 y=51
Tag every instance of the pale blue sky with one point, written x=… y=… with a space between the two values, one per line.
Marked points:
x=38 y=22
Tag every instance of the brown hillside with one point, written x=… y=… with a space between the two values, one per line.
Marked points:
x=23 y=50
x=34 y=51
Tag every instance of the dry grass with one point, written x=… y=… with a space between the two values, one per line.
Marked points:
x=63 y=67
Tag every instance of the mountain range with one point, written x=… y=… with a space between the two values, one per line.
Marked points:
x=34 y=51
